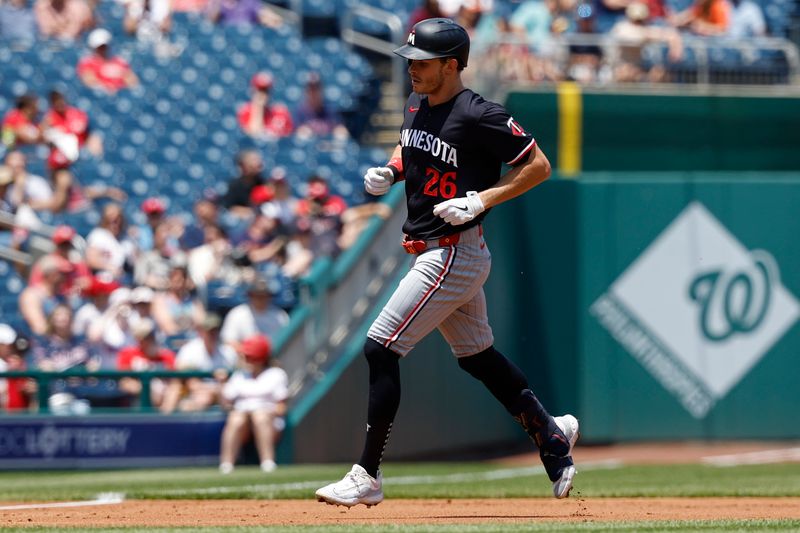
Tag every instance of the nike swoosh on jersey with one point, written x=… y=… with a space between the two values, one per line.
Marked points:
x=412 y=109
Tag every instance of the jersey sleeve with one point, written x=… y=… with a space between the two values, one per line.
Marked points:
x=503 y=135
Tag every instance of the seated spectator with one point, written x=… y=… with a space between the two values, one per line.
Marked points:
x=19 y=124
x=428 y=10
x=177 y=309
x=152 y=267
x=6 y=228
x=242 y=12
x=63 y=19
x=261 y=119
x=256 y=316
x=747 y=20
x=31 y=190
x=237 y=198
x=17 y=22
x=15 y=393
x=214 y=260
x=585 y=59
x=88 y=319
x=532 y=21
x=283 y=205
x=259 y=242
x=67 y=127
x=634 y=33
x=141 y=235
x=206 y=214
x=79 y=278
x=58 y=348
x=205 y=354
x=100 y=70
x=145 y=356
x=37 y=302
x=256 y=396
x=320 y=212
x=356 y=218
x=315 y=117
x=704 y=17
x=151 y=22
x=656 y=9
x=189 y=6
x=106 y=248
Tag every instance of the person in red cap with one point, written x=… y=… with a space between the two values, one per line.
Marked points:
x=256 y=396
x=98 y=293
x=320 y=214
x=143 y=236
x=259 y=117
x=75 y=280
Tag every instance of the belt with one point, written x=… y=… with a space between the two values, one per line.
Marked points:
x=419 y=246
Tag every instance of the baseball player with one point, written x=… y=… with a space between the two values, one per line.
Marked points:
x=452 y=146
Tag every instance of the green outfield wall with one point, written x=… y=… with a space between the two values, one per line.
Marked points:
x=663 y=131
x=655 y=305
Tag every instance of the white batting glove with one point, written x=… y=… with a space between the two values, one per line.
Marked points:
x=460 y=210
x=378 y=180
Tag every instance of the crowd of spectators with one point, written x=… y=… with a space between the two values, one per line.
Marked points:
x=144 y=296
x=150 y=21
x=552 y=40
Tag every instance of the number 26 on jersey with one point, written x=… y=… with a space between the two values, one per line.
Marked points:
x=438 y=184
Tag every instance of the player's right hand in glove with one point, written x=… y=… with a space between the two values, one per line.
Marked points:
x=378 y=180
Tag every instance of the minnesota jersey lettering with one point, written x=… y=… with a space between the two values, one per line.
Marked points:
x=427 y=142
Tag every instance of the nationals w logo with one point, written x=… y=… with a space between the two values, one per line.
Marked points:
x=735 y=301
x=697 y=309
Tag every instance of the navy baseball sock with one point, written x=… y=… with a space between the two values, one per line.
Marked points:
x=384 y=399
x=509 y=385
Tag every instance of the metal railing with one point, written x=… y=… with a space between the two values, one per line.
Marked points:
x=44 y=379
x=503 y=61
x=353 y=37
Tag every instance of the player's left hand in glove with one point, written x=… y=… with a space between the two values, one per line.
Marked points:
x=378 y=181
x=460 y=210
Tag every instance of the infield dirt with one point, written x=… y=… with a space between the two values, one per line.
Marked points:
x=210 y=513
x=299 y=512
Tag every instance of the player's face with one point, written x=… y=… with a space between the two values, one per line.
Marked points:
x=427 y=75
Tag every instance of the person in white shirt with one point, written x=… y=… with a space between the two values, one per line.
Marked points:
x=257 y=315
x=257 y=396
x=204 y=353
x=106 y=247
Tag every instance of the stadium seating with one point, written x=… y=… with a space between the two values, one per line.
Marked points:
x=177 y=134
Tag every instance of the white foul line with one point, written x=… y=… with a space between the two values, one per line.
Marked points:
x=782 y=455
x=102 y=499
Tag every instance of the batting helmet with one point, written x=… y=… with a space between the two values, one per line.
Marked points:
x=439 y=37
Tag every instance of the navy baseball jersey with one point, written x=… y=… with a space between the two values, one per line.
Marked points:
x=451 y=148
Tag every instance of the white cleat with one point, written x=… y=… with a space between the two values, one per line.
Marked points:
x=569 y=425
x=356 y=487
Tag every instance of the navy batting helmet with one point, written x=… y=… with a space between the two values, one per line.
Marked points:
x=439 y=37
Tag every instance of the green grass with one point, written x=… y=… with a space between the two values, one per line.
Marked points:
x=616 y=527
x=444 y=480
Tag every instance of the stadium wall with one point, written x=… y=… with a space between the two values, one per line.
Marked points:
x=681 y=130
